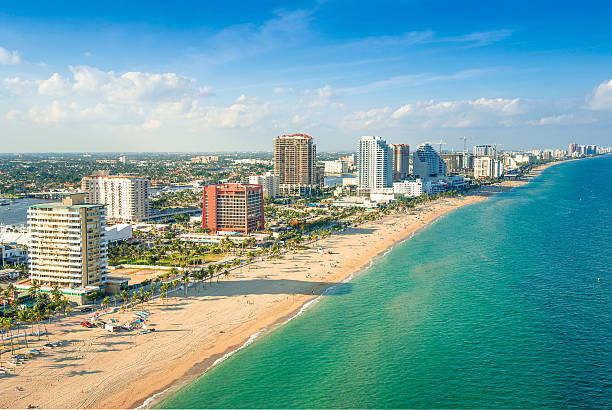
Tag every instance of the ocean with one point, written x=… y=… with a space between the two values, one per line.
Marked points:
x=505 y=303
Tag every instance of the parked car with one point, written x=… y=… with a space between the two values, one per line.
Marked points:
x=86 y=309
x=87 y=324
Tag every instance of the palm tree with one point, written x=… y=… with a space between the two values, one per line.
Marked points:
x=7 y=324
x=11 y=290
x=22 y=315
x=235 y=263
x=124 y=295
x=33 y=290
x=186 y=281
x=56 y=294
x=106 y=301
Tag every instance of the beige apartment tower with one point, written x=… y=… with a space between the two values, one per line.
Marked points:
x=295 y=158
x=126 y=196
x=67 y=244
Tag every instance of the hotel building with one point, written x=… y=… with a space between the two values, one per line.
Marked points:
x=374 y=164
x=401 y=161
x=126 y=196
x=233 y=208
x=67 y=244
x=295 y=163
x=427 y=164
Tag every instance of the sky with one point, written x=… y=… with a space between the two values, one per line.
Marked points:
x=229 y=76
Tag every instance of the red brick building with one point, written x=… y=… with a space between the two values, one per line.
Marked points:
x=233 y=208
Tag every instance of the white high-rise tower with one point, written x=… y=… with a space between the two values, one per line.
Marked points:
x=375 y=165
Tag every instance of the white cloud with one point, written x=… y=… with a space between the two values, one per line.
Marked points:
x=151 y=124
x=236 y=115
x=444 y=114
x=320 y=97
x=601 y=98
x=8 y=57
x=133 y=86
x=16 y=85
x=55 y=112
x=54 y=85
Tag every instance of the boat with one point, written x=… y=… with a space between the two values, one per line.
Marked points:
x=4 y=202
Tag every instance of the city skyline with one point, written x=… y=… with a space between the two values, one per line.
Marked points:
x=197 y=79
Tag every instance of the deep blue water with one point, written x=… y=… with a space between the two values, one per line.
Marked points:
x=506 y=303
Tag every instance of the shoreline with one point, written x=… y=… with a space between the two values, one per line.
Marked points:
x=217 y=322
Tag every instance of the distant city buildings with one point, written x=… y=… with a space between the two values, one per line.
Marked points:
x=295 y=163
x=205 y=159
x=233 y=208
x=350 y=159
x=269 y=182
x=427 y=164
x=67 y=244
x=400 y=154
x=576 y=150
x=374 y=164
x=336 y=167
x=126 y=196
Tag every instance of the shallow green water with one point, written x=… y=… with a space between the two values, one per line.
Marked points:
x=495 y=305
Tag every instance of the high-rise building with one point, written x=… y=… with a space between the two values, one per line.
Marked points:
x=295 y=159
x=126 y=196
x=574 y=149
x=67 y=244
x=488 y=167
x=374 y=164
x=427 y=164
x=269 y=183
x=455 y=162
x=401 y=161
x=233 y=208
x=480 y=150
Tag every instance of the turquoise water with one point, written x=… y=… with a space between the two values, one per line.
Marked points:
x=495 y=305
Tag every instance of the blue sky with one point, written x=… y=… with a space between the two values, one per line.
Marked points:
x=196 y=76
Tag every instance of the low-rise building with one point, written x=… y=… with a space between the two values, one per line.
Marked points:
x=12 y=254
x=410 y=188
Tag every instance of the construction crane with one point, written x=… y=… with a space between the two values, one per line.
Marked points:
x=439 y=143
x=495 y=147
x=464 y=138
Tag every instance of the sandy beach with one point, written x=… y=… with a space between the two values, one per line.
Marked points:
x=97 y=369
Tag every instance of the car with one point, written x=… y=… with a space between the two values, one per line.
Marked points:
x=87 y=324
x=86 y=309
